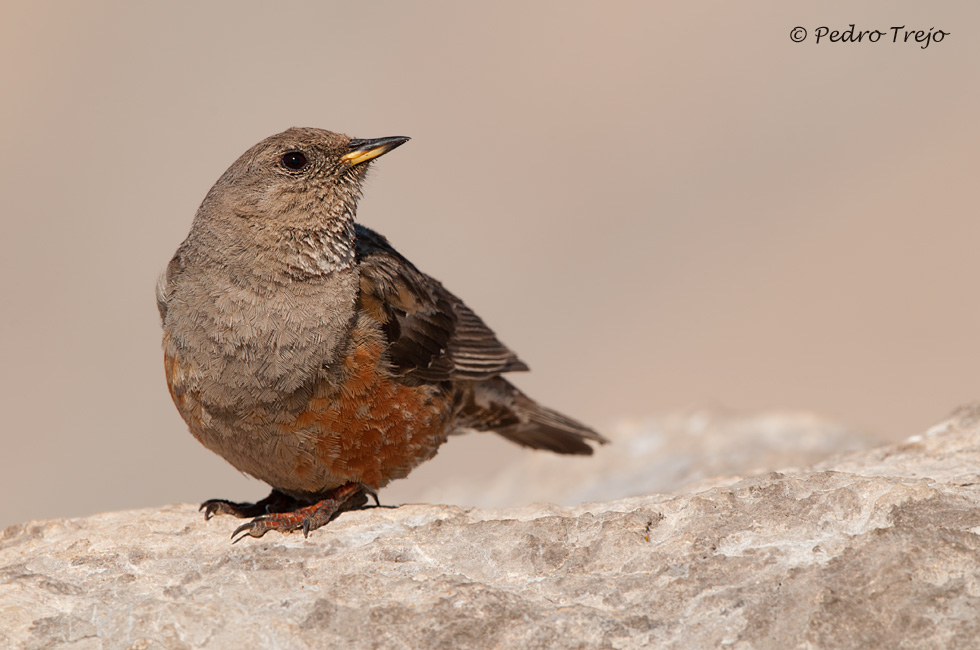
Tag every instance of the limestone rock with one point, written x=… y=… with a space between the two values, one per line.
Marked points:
x=874 y=549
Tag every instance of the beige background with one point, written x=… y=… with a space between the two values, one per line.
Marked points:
x=659 y=205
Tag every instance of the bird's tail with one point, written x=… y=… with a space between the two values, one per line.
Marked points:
x=496 y=405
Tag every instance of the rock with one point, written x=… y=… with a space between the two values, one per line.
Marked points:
x=663 y=454
x=873 y=549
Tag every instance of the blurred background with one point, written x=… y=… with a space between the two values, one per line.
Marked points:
x=660 y=206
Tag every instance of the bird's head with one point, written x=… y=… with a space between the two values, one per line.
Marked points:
x=301 y=176
x=300 y=185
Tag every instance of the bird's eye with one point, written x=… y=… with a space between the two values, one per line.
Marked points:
x=294 y=160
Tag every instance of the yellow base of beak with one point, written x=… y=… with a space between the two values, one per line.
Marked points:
x=358 y=157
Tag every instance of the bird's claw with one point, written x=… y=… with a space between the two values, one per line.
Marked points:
x=256 y=528
x=214 y=507
x=285 y=514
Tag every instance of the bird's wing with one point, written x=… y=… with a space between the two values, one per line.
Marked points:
x=165 y=285
x=432 y=335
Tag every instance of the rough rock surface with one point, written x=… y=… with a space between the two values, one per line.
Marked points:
x=874 y=549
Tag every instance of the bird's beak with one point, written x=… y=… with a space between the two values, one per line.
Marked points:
x=362 y=151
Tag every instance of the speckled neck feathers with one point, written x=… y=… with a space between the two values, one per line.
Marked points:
x=318 y=251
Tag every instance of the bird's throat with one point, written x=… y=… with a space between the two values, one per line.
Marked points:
x=318 y=251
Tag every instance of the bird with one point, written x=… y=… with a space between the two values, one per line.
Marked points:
x=305 y=350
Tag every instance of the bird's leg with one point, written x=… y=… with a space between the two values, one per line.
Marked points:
x=275 y=502
x=349 y=496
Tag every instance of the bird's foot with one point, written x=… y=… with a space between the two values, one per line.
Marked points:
x=275 y=502
x=349 y=496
